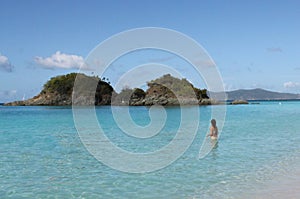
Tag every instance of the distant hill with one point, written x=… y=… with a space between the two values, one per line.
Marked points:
x=259 y=94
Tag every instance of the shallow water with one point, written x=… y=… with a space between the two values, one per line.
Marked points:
x=41 y=155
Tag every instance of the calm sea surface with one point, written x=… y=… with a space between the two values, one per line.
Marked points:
x=41 y=154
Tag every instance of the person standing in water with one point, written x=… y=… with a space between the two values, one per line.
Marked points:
x=213 y=132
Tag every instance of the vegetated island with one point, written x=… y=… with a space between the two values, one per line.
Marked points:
x=166 y=91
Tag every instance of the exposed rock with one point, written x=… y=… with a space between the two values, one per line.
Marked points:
x=210 y=102
x=170 y=91
x=58 y=92
x=165 y=91
x=132 y=97
x=235 y=102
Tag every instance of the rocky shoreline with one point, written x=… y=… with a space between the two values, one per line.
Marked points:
x=165 y=91
x=42 y=101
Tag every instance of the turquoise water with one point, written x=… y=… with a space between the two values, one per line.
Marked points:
x=41 y=155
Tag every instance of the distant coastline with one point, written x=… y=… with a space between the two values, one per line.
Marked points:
x=257 y=94
x=271 y=100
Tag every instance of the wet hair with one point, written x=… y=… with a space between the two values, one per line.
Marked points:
x=213 y=123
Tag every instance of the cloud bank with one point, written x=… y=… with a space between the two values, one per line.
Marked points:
x=291 y=84
x=8 y=93
x=61 y=60
x=162 y=59
x=274 y=50
x=5 y=64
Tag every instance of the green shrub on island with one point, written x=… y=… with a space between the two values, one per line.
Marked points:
x=176 y=87
x=62 y=84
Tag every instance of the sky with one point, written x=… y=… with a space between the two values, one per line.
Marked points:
x=254 y=44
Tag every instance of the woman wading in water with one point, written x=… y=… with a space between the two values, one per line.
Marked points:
x=213 y=132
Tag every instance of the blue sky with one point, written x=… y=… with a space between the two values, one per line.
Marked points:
x=254 y=43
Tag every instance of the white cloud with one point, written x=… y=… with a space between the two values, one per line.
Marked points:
x=8 y=93
x=162 y=59
x=274 y=50
x=229 y=87
x=205 y=63
x=5 y=64
x=291 y=84
x=61 y=60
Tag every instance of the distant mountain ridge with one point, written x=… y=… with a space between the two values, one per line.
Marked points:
x=259 y=94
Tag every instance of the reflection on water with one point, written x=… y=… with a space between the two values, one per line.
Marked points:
x=214 y=144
